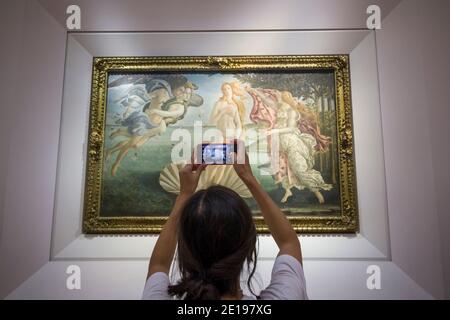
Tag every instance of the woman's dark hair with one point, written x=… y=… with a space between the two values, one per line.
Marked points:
x=216 y=238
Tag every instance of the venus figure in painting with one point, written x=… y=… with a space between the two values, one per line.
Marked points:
x=229 y=112
x=228 y=117
x=297 y=149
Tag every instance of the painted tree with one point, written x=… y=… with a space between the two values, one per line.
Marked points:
x=315 y=86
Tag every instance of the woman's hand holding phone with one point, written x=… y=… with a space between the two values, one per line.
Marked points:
x=189 y=177
x=241 y=163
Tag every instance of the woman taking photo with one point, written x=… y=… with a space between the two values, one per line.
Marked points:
x=216 y=239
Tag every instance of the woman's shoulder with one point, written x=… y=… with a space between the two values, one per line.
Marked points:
x=287 y=280
x=156 y=287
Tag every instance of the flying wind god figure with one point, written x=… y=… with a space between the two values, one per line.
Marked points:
x=148 y=109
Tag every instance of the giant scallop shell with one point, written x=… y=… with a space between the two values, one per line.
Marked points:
x=223 y=175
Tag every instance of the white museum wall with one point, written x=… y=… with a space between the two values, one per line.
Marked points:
x=32 y=110
x=436 y=46
x=413 y=109
x=9 y=64
x=415 y=115
x=69 y=243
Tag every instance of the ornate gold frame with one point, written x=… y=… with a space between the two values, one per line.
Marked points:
x=346 y=222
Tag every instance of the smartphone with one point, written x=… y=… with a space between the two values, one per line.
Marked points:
x=216 y=153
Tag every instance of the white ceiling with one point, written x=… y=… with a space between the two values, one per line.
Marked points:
x=168 y=15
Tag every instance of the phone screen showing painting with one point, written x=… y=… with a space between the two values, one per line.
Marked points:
x=217 y=153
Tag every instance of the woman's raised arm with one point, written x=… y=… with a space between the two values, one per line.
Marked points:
x=162 y=255
x=279 y=226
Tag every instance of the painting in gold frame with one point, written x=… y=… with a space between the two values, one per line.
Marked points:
x=138 y=102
